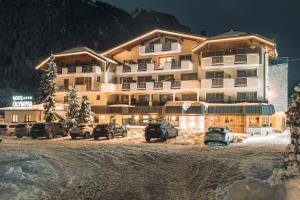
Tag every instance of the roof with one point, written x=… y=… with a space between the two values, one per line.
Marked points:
x=149 y=35
x=233 y=34
x=77 y=51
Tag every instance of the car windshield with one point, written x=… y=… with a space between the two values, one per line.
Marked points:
x=38 y=126
x=21 y=126
x=154 y=125
x=3 y=126
x=12 y=126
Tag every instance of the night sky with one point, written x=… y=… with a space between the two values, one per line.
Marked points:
x=270 y=18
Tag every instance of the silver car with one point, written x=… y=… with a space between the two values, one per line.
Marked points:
x=218 y=135
x=81 y=130
x=7 y=129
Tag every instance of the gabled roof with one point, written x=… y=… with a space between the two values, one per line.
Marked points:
x=233 y=34
x=77 y=51
x=150 y=34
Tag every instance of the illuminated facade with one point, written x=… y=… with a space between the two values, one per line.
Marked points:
x=192 y=81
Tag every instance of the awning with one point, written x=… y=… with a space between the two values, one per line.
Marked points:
x=109 y=110
x=182 y=108
x=145 y=110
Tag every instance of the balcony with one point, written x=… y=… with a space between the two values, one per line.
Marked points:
x=159 y=49
x=158 y=85
x=249 y=100
x=125 y=86
x=141 y=85
x=62 y=88
x=150 y=68
x=75 y=70
x=230 y=83
x=175 y=84
x=230 y=61
x=108 y=87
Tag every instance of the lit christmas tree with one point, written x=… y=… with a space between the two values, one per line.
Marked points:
x=74 y=106
x=49 y=90
x=85 y=113
x=42 y=93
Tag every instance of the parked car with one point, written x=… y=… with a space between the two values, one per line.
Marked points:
x=219 y=135
x=23 y=129
x=81 y=130
x=48 y=130
x=109 y=131
x=7 y=129
x=163 y=131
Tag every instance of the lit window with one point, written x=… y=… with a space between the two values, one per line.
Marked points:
x=27 y=118
x=14 y=118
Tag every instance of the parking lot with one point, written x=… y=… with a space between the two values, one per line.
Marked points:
x=128 y=168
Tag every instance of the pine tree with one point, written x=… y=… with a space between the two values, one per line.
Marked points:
x=85 y=113
x=74 y=106
x=42 y=93
x=292 y=155
x=49 y=89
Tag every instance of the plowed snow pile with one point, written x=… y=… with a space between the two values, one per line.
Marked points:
x=129 y=168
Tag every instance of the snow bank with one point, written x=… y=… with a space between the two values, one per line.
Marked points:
x=281 y=139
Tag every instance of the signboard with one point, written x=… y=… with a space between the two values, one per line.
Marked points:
x=22 y=101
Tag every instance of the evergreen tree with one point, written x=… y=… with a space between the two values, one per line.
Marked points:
x=42 y=93
x=85 y=113
x=74 y=106
x=49 y=90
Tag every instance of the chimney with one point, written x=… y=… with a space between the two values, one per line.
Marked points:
x=203 y=33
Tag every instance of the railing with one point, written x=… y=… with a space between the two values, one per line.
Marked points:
x=166 y=47
x=71 y=70
x=240 y=82
x=62 y=88
x=158 y=85
x=217 y=60
x=217 y=82
x=142 y=67
x=86 y=69
x=249 y=100
x=126 y=68
x=141 y=85
x=126 y=86
x=149 y=49
x=240 y=58
x=176 y=84
x=160 y=48
x=175 y=64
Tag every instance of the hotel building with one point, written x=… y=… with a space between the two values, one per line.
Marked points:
x=193 y=81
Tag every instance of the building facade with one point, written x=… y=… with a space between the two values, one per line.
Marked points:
x=189 y=80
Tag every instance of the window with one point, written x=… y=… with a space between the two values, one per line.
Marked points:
x=84 y=97
x=27 y=118
x=214 y=75
x=98 y=79
x=98 y=97
x=79 y=81
x=247 y=73
x=126 y=80
x=247 y=96
x=66 y=99
x=96 y=119
x=59 y=70
x=241 y=51
x=86 y=69
x=71 y=69
x=215 y=97
x=166 y=77
x=14 y=118
x=191 y=76
x=185 y=57
x=162 y=61
x=144 y=78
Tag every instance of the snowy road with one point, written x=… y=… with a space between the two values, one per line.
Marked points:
x=128 y=169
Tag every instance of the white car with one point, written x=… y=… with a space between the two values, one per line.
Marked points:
x=218 y=135
x=81 y=130
x=7 y=129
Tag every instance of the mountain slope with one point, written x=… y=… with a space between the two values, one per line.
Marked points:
x=32 y=29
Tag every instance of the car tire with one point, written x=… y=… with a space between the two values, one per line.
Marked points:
x=147 y=140
x=11 y=134
x=86 y=135
x=96 y=137
x=124 y=134
x=73 y=137
x=33 y=138
x=109 y=136
x=165 y=136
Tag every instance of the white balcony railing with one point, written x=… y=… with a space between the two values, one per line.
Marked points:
x=159 y=48
x=230 y=83
x=149 y=68
x=75 y=70
x=230 y=61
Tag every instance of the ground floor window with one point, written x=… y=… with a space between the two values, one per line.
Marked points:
x=14 y=118
x=27 y=118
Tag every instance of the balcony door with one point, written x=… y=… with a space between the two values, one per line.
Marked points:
x=163 y=60
x=66 y=84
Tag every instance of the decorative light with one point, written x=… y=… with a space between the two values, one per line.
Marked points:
x=136 y=117
x=173 y=118
x=102 y=116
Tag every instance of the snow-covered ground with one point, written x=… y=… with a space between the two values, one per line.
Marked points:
x=129 y=168
x=274 y=138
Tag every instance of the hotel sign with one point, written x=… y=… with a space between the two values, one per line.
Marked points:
x=22 y=101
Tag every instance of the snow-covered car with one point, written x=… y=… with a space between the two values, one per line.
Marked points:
x=219 y=135
x=7 y=129
x=163 y=131
x=81 y=130
x=109 y=131
x=23 y=129
x=48 y=130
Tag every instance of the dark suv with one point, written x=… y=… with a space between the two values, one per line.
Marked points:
x=48 y=130
x=163 y=131
x=109 y=131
